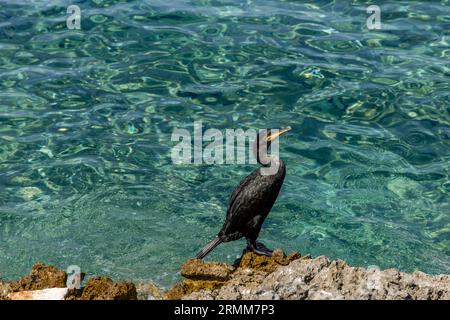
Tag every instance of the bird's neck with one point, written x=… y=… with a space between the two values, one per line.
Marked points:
x=271 y=163
x=272 y=166
x=266 y=160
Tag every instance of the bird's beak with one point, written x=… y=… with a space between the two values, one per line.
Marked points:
x=276 y=135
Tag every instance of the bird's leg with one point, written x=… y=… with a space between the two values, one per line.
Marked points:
x=262 y=248
x=258 y=248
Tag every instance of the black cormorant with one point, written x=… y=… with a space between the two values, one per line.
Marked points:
x=251 y=201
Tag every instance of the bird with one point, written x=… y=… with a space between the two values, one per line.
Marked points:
x=252 y=200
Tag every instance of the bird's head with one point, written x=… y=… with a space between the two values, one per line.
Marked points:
x=263 y=141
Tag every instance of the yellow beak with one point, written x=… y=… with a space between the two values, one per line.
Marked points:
x=276 y=135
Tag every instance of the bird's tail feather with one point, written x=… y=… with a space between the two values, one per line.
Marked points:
x=209 y=247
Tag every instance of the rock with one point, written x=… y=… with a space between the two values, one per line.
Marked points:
x=251 y=277
x=210 y=277
x=37 y=286
x=188 y=286
x=41 y=277
x=4 y=290
x=199 y=270
x=148 y=291
x=74 y=294
x=200 y=275
x=102 y=288
x=303 y=278
x=264 y=263
x=45 y=294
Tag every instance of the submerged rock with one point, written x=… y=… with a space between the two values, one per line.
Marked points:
x=295 y=277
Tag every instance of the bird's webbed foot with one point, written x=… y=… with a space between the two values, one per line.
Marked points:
x=256 y=247
x=259 y=248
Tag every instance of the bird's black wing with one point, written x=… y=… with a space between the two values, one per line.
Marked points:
x=245 y=202
x=240 y=188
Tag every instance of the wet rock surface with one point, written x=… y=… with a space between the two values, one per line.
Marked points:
x=303 y=278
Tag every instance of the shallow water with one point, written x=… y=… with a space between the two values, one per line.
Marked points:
x=86 y=118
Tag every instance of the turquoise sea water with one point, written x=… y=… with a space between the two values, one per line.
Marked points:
x=86 y=118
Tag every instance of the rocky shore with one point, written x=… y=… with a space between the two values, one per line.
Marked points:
x=49 y=283
x=252 y=277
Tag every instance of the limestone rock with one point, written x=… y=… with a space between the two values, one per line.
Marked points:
x=251 y=277
x=4 y=290
x=200 y=270
x=264 y=263
x=45 y=294
x=102 y=288
x=213 y=279
x=188 y=286
x=38 y=285
x=148 y=291
x=41 y=277
x=303 y=278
